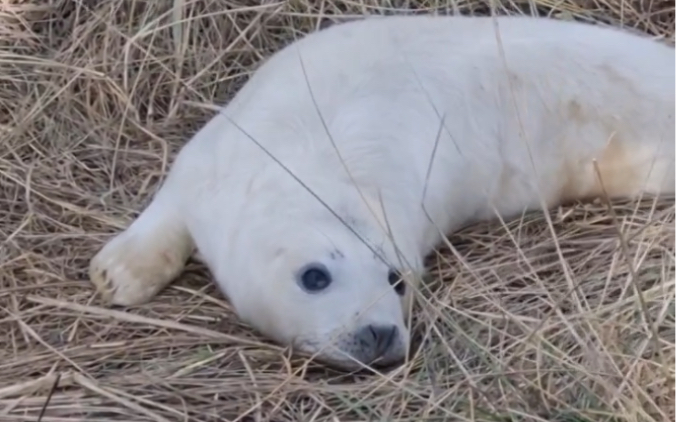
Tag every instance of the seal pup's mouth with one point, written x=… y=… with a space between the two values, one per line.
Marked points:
x=371 y=346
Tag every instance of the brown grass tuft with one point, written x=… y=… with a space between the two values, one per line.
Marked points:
x=96 y=97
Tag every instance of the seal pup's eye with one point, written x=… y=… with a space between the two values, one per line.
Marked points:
x=396 y=281
x=314 y=278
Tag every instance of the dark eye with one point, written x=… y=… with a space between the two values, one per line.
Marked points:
x=396 y=281
x=315 y=278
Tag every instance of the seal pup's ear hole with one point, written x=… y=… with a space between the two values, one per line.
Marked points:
x=314 y=278
x=397 y=282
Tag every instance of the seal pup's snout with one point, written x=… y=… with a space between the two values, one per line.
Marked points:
x=377 y=338
x=379 y=344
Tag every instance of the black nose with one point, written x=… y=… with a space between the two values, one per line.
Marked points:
x=378 y=338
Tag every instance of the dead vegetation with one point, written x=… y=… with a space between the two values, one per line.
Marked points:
x=95 y=99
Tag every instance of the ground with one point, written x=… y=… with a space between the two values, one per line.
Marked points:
x=566 y=319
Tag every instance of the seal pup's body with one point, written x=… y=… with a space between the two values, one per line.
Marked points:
x=444 y=111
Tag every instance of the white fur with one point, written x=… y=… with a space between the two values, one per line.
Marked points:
x=521 y=128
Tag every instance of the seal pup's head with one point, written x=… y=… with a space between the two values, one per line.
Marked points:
x=327 y=286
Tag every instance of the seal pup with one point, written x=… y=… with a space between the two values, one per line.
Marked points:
x=348 y=154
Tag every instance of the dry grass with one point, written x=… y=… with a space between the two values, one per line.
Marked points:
x=95 y=99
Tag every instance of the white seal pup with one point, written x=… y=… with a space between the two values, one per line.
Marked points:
x=346 y=156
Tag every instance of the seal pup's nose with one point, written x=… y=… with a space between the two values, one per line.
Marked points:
x=378 y=339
